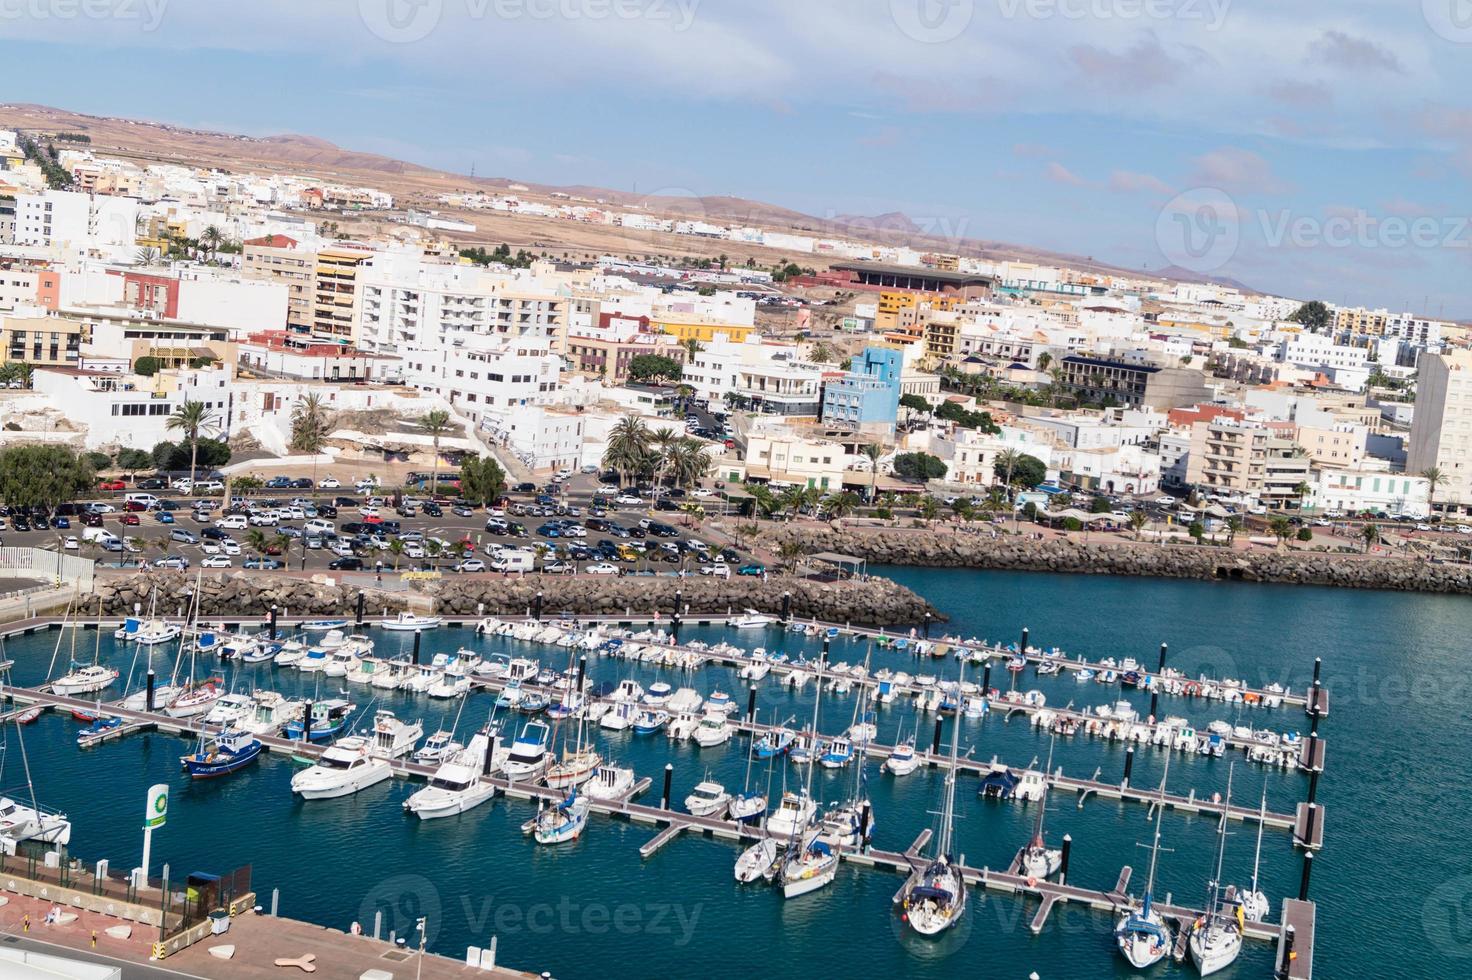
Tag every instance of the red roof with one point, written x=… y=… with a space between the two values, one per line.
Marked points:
x=274 y=241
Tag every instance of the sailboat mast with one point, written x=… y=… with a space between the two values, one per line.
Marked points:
x=948 y=813
x=1262 y=812
x=1221 y=850
x=813 y=746
x=1155 y=847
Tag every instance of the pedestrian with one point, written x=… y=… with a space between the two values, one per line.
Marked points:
x=26 y=923
x=94 y=938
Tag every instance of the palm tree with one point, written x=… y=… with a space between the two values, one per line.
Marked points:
x=789 y=552
x=928 y=508
x=433 y=549
x=1234 y=524
x=1044 y=359
x=1138 y=520
x=1434 y=478
x=436 y=423
x=628 y=447
x=661 y=447
x=840 y=504
x=146 y=256
x=689 y=460
x=193 y=419
x=396 y=548
x=212 y=238
x=872 y=450
x=309 y=423
x=255 y=541
x=1371 y=534
x=766 y=501
x=1301 y=491
x=792 y=500
x=1281 y=529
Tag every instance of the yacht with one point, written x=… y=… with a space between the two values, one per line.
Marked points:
x=758 y=861
x=903 y=760
x=609 y=782
x=343 y=769
x=87 y=679
x=456 y=785
x=324 y=625
x=392 y=737
x=270 y=712
x=713 y=730
x=1040 y=861
x=22 y=823
x=795 y=813
x=438 y=748
x=751 y=620
x=619 y=717
x=808 y=866
x=707 y=799
x=528 y=755
x=229 y=710
x=407 y=622
x=195 y=699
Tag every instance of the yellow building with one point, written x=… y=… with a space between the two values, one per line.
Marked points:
x=41 y=340
x=335 y=302
x=901 y=310
x=702 y=331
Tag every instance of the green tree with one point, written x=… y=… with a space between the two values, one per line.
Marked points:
x=1197 y=531
x=840 y=505
x=1234 y=524
x=654 y=367
x=13 y=372
x=919 y=466
x=628 y=447
x=193 y=419
x=482 y=480
x=928 y=508
x=133 y=460
x=44 y=476
x=1314 y=315
x=1371 y=534
x=310 y=423
x=147 y=366
x=872 y=451
x=1020 y=469
x=1434 y=479
x=689 y=462
x=1138 y=520
x=435 y=424
x=1100 y=505
x=1281 y=529
x=99 y=461
x=915 y=403
x=790 y=552
x=1305 y=534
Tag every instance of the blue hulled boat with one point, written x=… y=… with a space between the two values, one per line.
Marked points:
x=222 y=754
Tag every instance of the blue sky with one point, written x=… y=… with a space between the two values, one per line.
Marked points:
x=1312 y=149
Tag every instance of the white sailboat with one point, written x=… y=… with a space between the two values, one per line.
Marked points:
x=1040 y=861
x=1216 y=937
x=935 y=899
x=811 y=862
x=28 y=821
x=576 y=767
x=1143 y=938
x=82 y=678
x=1255 y=904
x=559 y=823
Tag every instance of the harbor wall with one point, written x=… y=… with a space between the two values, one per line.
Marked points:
x=876 y=602
x=956 y=548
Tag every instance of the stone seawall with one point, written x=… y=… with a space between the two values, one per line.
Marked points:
x=877 y=602
x=951 y=547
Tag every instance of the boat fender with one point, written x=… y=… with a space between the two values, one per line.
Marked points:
x=1032 y=882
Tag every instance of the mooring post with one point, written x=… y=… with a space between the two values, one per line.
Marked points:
x=1288 y=956
x=786 y=606
x=1063 y=864
x=751 y=708
x=935 y=741
x=537 y=607
x=669 y=778
x=1308 y=870
x=986 y=679
x=418 y=635
x=273 y=623
x=149 y=698
x=1023 y=648
x=1129 y=764
x=485 y=766
x=362 y=603
x=307 y=723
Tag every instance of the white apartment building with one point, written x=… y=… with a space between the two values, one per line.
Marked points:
x=128 y=411
x=1319 y=352
x=78 y=223
x=1111 y=469
x=766 y=376
x=1353 y=491
x=486 y=377
x=1441 y=433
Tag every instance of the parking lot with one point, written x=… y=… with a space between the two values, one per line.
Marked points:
x=572 y=527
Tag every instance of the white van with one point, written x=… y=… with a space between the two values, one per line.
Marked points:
x=148 y=500
x=232 y=522
x=100 y=535
x=514 y=561
x=319 y=526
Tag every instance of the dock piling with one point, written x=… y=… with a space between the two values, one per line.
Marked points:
x=307 y=724
x=751 y=705
x=1287 y=947
x=378 y=924
x=537 y=607
x=786 y=606
x=362 y=601
x=150 y=681
x=669 y=777
x=1308 y=870
x=1023 y=648
x=926 y=626
x=275 y=901
x=986 y=679
x=272 y=634
x=935 y=742
x=485 y=764
x=582 y=671
x=418 y=635
x=1129 y=764
x=1063 y=865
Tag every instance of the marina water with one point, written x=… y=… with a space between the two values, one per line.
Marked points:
x=1390 y=882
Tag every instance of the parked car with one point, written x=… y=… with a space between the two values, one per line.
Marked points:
x=754 y=568
x=347 y=563
x=470 y=565
x=178 y=562
x=216 y=561
x=328 y=483
x=601 y=568
x=112 y=485
x=265 y=564
x=131 y=520
x=183 y=535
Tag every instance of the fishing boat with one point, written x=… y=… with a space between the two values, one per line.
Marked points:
x=98 y=730
x=88 y=679
x=437 y=748
x=407 y=622
x=903 y=760
x=750 y=619
x=344 y=768
x=619 y=717
x=1255 y=904
x=774 y=742
x=707 y=799
x=934 y=900
x=562 y=822
x=222 y=754
x=327 y=719
x=839 y=754
x=528 y=756
x=1142 y=936
x=609 y=782
x=456 y=785
x=795 y=812
x=533 y=703
x=28 y=716
x=393 y=737
x=650 y=720
x=1215 y=940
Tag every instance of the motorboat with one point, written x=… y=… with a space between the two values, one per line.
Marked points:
x=222 y=754
x=657 y=695
x=682 y=726
x=150 y=633
x=650 y=720
x=324 y=625
x=707 y=799
x=713 y=730
x=1031 y=787
x=719 y=702
x=230 y=710
x=408 y=622
x=562 y=822
x=773 y=742
x=437 y=748
x=795 y=813
x=314 y=661
x=684 y=699
x=609 y=782
x=98 y=730
x=291 y=653
x=456 y=785
x=345 y=767
x=327 y=719
x=528 y=756
x=389 y=675
x=619 y=716
x=393 y=737
x=903 y=760
x=999 y=783
x=757 y=667
x=839 y=754
x=270 y=712
x=87 y=679
x=750 y=619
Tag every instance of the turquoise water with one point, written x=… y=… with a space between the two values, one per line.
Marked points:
x=594 y=907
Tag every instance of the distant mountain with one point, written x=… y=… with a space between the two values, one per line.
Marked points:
x=1175 y=273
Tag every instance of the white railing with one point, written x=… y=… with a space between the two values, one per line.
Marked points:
x=52 y=565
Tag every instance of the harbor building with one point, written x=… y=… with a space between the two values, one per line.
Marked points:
x=1441 y=432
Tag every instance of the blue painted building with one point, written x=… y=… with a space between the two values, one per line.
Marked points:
x=868 y=397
